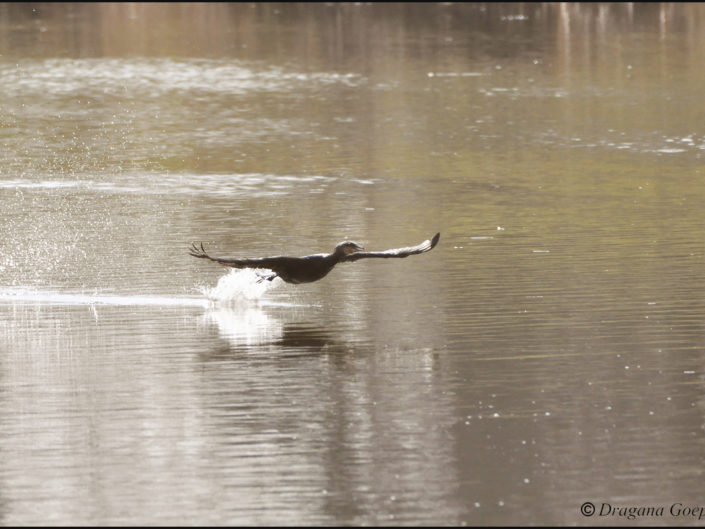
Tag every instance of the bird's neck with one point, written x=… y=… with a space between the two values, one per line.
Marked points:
x=336 y=256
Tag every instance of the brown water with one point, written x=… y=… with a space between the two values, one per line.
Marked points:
x=550 y=351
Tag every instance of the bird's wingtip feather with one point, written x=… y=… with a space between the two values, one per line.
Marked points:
x=435 y=239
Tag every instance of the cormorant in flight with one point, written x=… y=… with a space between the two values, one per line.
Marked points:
x=311 y=268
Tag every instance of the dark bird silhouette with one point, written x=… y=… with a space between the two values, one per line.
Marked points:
x=311 y=268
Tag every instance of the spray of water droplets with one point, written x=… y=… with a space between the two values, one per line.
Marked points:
x=239 y=285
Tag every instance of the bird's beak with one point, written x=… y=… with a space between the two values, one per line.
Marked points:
x=352 y=248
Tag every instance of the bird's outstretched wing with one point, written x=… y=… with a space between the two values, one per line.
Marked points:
x=396 y=252
x=263 y=262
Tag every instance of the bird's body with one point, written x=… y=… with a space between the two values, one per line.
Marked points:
x=297 y=270
x=311 y=268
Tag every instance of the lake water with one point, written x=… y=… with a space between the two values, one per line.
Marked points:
x=550 y=351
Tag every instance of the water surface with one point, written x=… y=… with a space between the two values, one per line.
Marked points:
x=547 y=353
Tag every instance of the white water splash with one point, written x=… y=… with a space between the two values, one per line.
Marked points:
x=239 y=285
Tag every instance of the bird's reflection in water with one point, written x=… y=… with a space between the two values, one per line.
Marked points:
x=244 y=326
x=254 y=329
x=309 y=338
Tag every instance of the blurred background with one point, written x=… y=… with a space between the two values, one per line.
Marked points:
x=548 y=352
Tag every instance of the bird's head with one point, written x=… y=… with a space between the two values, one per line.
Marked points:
x=347 y=247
